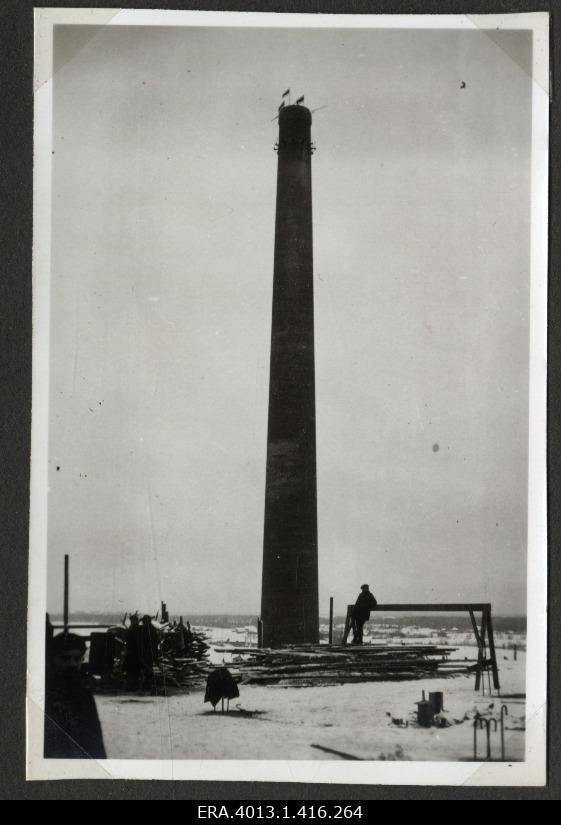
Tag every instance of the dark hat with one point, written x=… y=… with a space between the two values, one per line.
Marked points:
x=364 y=586
x=66 y=641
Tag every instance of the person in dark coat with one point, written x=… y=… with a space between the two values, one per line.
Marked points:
x=132 y=663
x=149 y=650
x=72 y=727
x=186 y=634
x=361 y=612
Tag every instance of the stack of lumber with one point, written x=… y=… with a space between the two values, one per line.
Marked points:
x=319 y=665
x=181 y=672
x=186 y=668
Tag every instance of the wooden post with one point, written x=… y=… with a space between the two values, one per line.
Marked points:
x=504 y=712
x=49 y=631
x=479 y=649
x=348 y=623
x=259 y=633
x=66 y=593
x=488 y=727
x=331 y=620
x=475 y=628
x=492 y=651
x=481 y=655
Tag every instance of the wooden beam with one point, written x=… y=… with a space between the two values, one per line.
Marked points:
x=476 y=630
x=342 y=754
x=480 y=650
x=66 y=593
x=482 y=656
x=348 y=624
x=85 y=626
x=430 y=608
x=492 y=651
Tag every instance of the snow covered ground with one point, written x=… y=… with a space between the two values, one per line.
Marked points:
x=299 y=723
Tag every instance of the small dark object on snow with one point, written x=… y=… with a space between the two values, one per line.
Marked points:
x=436 y=700
x=220 y=685
x=425 y=714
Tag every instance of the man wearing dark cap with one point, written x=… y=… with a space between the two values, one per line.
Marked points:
x=361 y=612
x=72 y=728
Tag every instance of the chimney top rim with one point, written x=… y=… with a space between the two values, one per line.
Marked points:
x=296 y=112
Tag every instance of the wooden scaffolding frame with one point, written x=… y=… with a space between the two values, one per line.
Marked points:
x=484 y=634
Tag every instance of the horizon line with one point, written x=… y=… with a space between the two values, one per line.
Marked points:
x=174 y=614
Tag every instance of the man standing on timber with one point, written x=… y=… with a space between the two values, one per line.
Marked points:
x=361 y=612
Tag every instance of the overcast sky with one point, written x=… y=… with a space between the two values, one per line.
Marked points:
x=164 y=180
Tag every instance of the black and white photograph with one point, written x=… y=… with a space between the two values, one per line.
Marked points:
x=288 y=467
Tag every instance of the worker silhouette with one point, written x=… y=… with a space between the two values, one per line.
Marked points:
x=72 y=727
x=132 y=664
x=361 y=612
x=149 y=651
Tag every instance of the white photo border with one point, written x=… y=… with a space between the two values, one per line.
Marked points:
x=531 y=772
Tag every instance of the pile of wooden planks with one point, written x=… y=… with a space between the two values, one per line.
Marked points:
x=318 y=665
x=181 y=672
